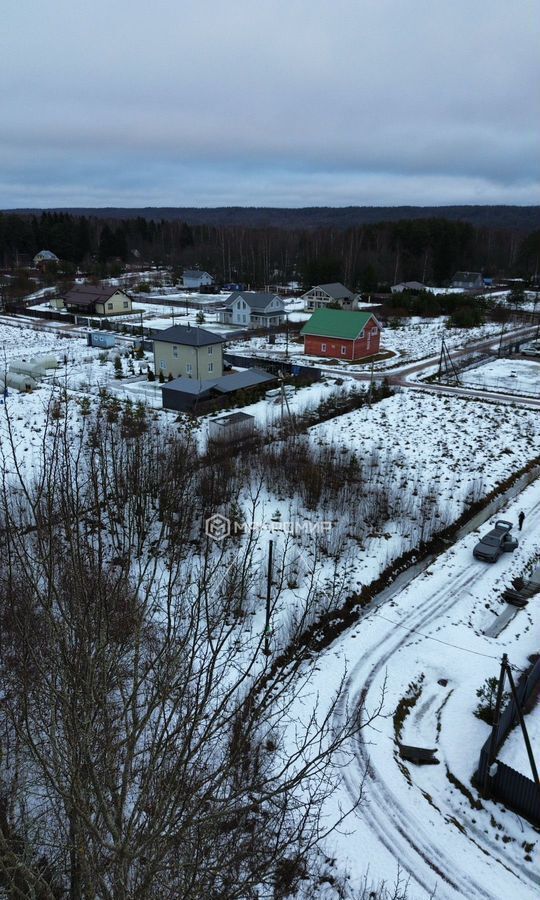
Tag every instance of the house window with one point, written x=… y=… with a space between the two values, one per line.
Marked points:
x=189 y=368
x=210 y=367
x=126 y=304
x=175 y=351
x=162 y=364
x=343 y=350
x=110 y=305
x=374 y=330
x=323 y=348
x=361 y=335
x=210 y=351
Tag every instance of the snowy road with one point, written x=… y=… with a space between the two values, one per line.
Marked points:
x=416 y=817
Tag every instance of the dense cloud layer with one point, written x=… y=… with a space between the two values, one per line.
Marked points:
x=274 y=102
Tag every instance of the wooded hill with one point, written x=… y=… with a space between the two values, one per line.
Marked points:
x=522 y=218
x=364 y=257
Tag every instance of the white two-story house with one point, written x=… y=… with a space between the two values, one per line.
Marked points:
x=253 y=309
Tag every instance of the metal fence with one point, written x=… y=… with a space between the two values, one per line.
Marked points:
x=274 y=366
x=505 y=784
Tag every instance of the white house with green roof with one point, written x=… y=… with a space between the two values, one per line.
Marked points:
x=340 y=334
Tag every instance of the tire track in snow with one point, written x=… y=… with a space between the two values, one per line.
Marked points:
x=402 y=834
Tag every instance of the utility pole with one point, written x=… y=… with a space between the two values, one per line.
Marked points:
x=495 y=726
x=506 y=672
x=267 y=629
x=523 y=727
x=370 y=394
x=439 y=375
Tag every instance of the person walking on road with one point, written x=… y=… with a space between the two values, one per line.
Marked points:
x=521 y=519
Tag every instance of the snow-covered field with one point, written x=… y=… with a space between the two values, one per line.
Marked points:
x=413 y=340
x=420 y=338
x=513 y=376
x=425 y=651
x=451 y=445
x=21 y=341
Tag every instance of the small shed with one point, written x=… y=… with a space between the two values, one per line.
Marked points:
x=231 y=427
x=101 y=339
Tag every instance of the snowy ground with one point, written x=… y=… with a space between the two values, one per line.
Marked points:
x=453 y=445
x=19 y=341
x=514 y=751
x=414 y=340
x=514 y=376
x=427 y=645
x=428 y=453
x=267 y=413
x=420 y=338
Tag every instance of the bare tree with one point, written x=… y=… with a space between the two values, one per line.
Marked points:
x=148 y=748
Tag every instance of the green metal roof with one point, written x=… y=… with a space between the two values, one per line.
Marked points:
x=337 y=323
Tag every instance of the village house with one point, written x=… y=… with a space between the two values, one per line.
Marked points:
x=44 y=257
x=94 y=300
x=253 y=309
x=467 y=281
x=336 y=294
x=186 y=394
x=341 y=334
x=413 y=286
x=193 y=278
x=187 y=352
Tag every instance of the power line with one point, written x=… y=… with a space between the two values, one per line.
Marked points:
x=439 y=641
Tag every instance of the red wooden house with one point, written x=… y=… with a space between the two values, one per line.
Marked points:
x=340 y=334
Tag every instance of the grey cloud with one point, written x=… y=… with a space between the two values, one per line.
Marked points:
x=428 y=102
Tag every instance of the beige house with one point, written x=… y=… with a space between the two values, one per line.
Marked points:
x=335 y=294
x=186 y=352
x=94 y=300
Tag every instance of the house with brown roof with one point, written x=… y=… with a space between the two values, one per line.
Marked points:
x=95 y=300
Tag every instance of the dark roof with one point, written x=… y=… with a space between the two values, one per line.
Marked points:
x=337 y=323
x=234 y=419
x=224 y=385
x=254 y=299
x=84 y=294
x=193 y=273
x=417 y=285
x=245 y=379
x=334 y=289
x=185 y=334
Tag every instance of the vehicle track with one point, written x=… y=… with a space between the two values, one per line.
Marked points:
x=403 y=835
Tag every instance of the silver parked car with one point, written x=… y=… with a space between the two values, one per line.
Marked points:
x=497 y=541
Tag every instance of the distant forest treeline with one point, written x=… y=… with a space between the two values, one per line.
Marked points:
x=520 y=218
x=362 y=257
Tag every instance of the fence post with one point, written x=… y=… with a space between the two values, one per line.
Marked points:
x=495 y=727
x=523 y=727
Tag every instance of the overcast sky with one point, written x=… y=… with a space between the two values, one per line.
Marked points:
x=269 y=102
